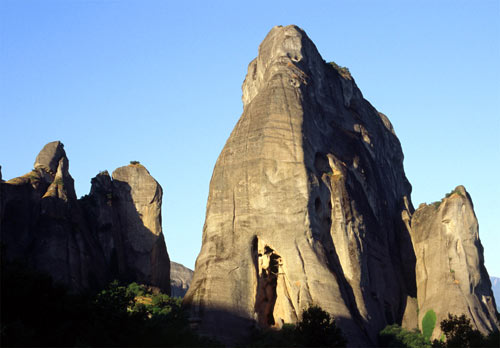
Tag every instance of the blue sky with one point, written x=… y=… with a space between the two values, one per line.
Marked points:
x=160 y=82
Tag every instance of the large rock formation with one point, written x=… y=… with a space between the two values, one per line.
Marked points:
x=125 y=212
x=43 y=224
x=308 y=204
x=114 y=232
x=450 y=263
x=180 y=279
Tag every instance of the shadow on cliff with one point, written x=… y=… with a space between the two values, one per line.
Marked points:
x=134 y=252
x=49 y=234
x=233 y=329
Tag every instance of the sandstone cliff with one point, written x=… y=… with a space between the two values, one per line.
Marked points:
x=450 y=272
x=308 y=204
x=114 y=232
x=180 y=279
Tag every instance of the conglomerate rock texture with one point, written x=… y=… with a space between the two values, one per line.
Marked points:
x=308 y=204
x=450 y=272
x=112 y=233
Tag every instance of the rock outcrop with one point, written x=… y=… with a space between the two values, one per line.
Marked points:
x=43 y=224
x=114 y=232
x=450 y=272
x=180 y=279
x=125 y=212
x=308 y=204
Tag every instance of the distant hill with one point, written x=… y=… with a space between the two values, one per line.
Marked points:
x=180 y=279
x=495 y=286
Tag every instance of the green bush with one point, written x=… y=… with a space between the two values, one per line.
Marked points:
x=342 y=70
x=395 y=336
x=428 y=324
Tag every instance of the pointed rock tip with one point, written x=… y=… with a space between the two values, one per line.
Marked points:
x=282 y=48
x=50 y=155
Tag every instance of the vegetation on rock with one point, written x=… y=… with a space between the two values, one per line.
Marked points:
x=395 y=336
x=459 y=332
x=428 y=324
x=342 y=70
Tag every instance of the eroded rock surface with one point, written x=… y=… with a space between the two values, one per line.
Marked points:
x=450 y=272
x=308 y=204
x=180 y=279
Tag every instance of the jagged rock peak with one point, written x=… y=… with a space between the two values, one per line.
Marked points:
x=50 y=156
x=450 y=261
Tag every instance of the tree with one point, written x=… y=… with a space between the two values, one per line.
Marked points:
x=459 y=332
x=318 y=329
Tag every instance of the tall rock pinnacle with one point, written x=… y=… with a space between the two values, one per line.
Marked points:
x=308 y=204
x=450 y=261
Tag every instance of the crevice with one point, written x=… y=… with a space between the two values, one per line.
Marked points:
x=267 y=263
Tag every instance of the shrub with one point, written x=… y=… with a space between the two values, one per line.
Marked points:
x=459 y=332
x=135 y=163
x=395 y=336
x=342 y=70
x=428 y=324
x=318 y=329
x=454 y=191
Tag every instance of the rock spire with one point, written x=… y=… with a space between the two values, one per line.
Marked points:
x=308 y=204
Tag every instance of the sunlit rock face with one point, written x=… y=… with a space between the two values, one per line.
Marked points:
x=308 y=204
x=450 y=272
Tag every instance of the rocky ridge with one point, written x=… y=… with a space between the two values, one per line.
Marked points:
x=114 y=232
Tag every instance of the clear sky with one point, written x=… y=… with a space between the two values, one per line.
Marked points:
x=160 y=82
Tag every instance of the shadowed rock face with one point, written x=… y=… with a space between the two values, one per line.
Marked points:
x=139 y=198
x=125 y=213
x=115 y=232
x=450 y=272
x=308 y=204
x=43 y=224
